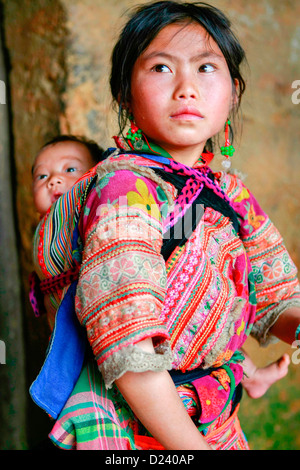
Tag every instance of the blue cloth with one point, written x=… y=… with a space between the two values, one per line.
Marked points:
x=150 y=156
x=64 y=360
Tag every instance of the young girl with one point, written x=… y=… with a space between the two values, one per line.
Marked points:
x=172 y=256
x=57 y=167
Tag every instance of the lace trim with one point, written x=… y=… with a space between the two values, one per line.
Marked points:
x=261 y=329
x=134 y=359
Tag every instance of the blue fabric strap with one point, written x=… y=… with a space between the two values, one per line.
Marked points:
x=64 y=360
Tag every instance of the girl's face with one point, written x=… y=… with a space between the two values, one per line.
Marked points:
x=181 y=91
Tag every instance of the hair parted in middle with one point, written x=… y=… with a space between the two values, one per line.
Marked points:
x=145 y=24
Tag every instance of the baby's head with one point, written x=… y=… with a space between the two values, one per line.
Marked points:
x=58 y=165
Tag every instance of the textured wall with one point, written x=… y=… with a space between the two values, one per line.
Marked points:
x=12 y=361
x=35 y=36
x=59 y=53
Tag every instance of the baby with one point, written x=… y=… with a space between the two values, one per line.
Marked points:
x=57 y=167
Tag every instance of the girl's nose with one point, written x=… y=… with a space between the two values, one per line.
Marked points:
x=186 y=88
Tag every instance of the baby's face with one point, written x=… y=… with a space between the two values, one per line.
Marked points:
x=56 y=170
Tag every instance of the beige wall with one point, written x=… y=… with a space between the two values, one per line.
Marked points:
x=59 y=54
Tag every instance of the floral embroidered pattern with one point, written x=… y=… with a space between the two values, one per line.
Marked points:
x=273 y=277
x=123 y=277
x=254 y=220
x=244 y=194
x=143 y=199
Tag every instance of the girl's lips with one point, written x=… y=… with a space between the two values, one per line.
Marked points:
x=187 y=113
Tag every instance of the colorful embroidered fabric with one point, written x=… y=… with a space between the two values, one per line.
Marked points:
x=274 y=273
x=202 y=304
x=95 y=418
x=53 y=252
x=99 y=414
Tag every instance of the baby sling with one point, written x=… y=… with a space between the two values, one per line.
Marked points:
x=56 y=380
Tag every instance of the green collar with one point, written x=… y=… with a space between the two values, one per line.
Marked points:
x=144 y=146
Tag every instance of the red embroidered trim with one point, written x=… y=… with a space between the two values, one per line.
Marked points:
x=60 y=280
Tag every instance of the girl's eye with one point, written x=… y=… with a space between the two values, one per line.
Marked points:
x=161 y=68
x=207 y=68
x=71 y=169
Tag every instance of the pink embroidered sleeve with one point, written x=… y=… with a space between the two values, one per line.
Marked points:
x=122 y=281
x=275 y=275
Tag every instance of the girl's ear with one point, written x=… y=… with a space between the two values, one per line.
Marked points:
x=121 y=103
x=128 y=107
x=235 y=93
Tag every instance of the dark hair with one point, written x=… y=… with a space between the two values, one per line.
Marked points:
x=95 y=150
x=146 y=22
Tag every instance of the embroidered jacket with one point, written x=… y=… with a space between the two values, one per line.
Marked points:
x=199 y=306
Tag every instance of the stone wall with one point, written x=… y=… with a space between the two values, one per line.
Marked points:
x=59 y=52
x=12 y=360
x=35 y=41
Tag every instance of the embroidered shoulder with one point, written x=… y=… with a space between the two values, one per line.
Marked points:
x=232 y=184
x=113 y=165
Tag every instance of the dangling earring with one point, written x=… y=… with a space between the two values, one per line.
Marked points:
x=228 y=150
x=135 y=135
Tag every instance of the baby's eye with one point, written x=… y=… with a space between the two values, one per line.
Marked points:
x=161 y=68
x=207 y=68
x=41 y=177
x=71 y=169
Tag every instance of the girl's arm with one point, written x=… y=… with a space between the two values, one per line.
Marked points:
x=152 y=396
x=286 y=325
